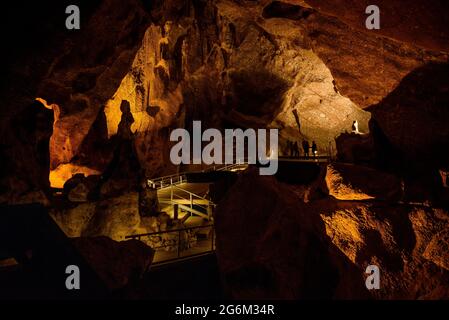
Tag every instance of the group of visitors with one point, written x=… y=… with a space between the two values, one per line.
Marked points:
x=293 y=149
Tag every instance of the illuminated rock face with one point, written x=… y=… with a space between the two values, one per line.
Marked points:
x=64 y=172
x=349 y=182
x=84 y=75
x=270 y=244
x=305 y=67
x=115 y=218
x=154 y=105
x=247 y=66
x=262 y=63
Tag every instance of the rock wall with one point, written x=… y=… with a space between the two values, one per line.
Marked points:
x=249 y=66
x=272 y=244
x=289 y=65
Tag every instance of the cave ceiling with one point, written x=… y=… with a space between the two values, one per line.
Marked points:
x=307 y=67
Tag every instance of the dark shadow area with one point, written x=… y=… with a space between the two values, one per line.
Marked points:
x=123 y=172
x=257 y=93
x=355 y=148
x=153 y=110
x=297 y=172
x=374 y=241
x=278 y=9
x=193 y=279
x=20 y=32
x=24 y=150
x=96 y=142
x=410 y=131
x=30 y=236
x=410 y=125
x=252 y=277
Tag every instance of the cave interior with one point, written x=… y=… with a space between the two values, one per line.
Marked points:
x=362 y=149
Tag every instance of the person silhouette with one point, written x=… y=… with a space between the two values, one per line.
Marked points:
x=296 y=149
x=306 y=146
x=314 y=149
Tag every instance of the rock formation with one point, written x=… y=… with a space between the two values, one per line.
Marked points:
x=288 y=65
x=271 y=244
x=350 y=182
x=118 y=264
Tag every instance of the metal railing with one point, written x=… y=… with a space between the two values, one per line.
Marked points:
x=177 y=244
x=178 y=178
x=320 y=158
x=189 y=201
x=166 y=181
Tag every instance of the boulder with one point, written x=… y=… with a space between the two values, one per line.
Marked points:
x=398 y=239
x=80 y=188
x=74 y=221
x=438 y=249
x=117 y=263
x=355 y=148
x=270 y=244
x=79 y=193
x=148 y=202
x=115 y=218
x=351 y=182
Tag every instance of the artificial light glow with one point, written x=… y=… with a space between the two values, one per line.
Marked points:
x=65 y=171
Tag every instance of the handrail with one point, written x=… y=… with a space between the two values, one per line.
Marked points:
x=194 y=194
x=231 y=166
x=158 y=183
x=178 y=178
x=179 y=244
x=133 y=236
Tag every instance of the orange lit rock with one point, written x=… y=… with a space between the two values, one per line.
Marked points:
x=351 y=182
x=438 y=249
x=272 y=245
x=87 y=74
x=64 y=172
x=115 y=218
x=398 y=239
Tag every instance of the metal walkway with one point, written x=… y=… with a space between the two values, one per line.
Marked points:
x=188 y=197
x=175 y=193
x=178 y=178
x=189 y=203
